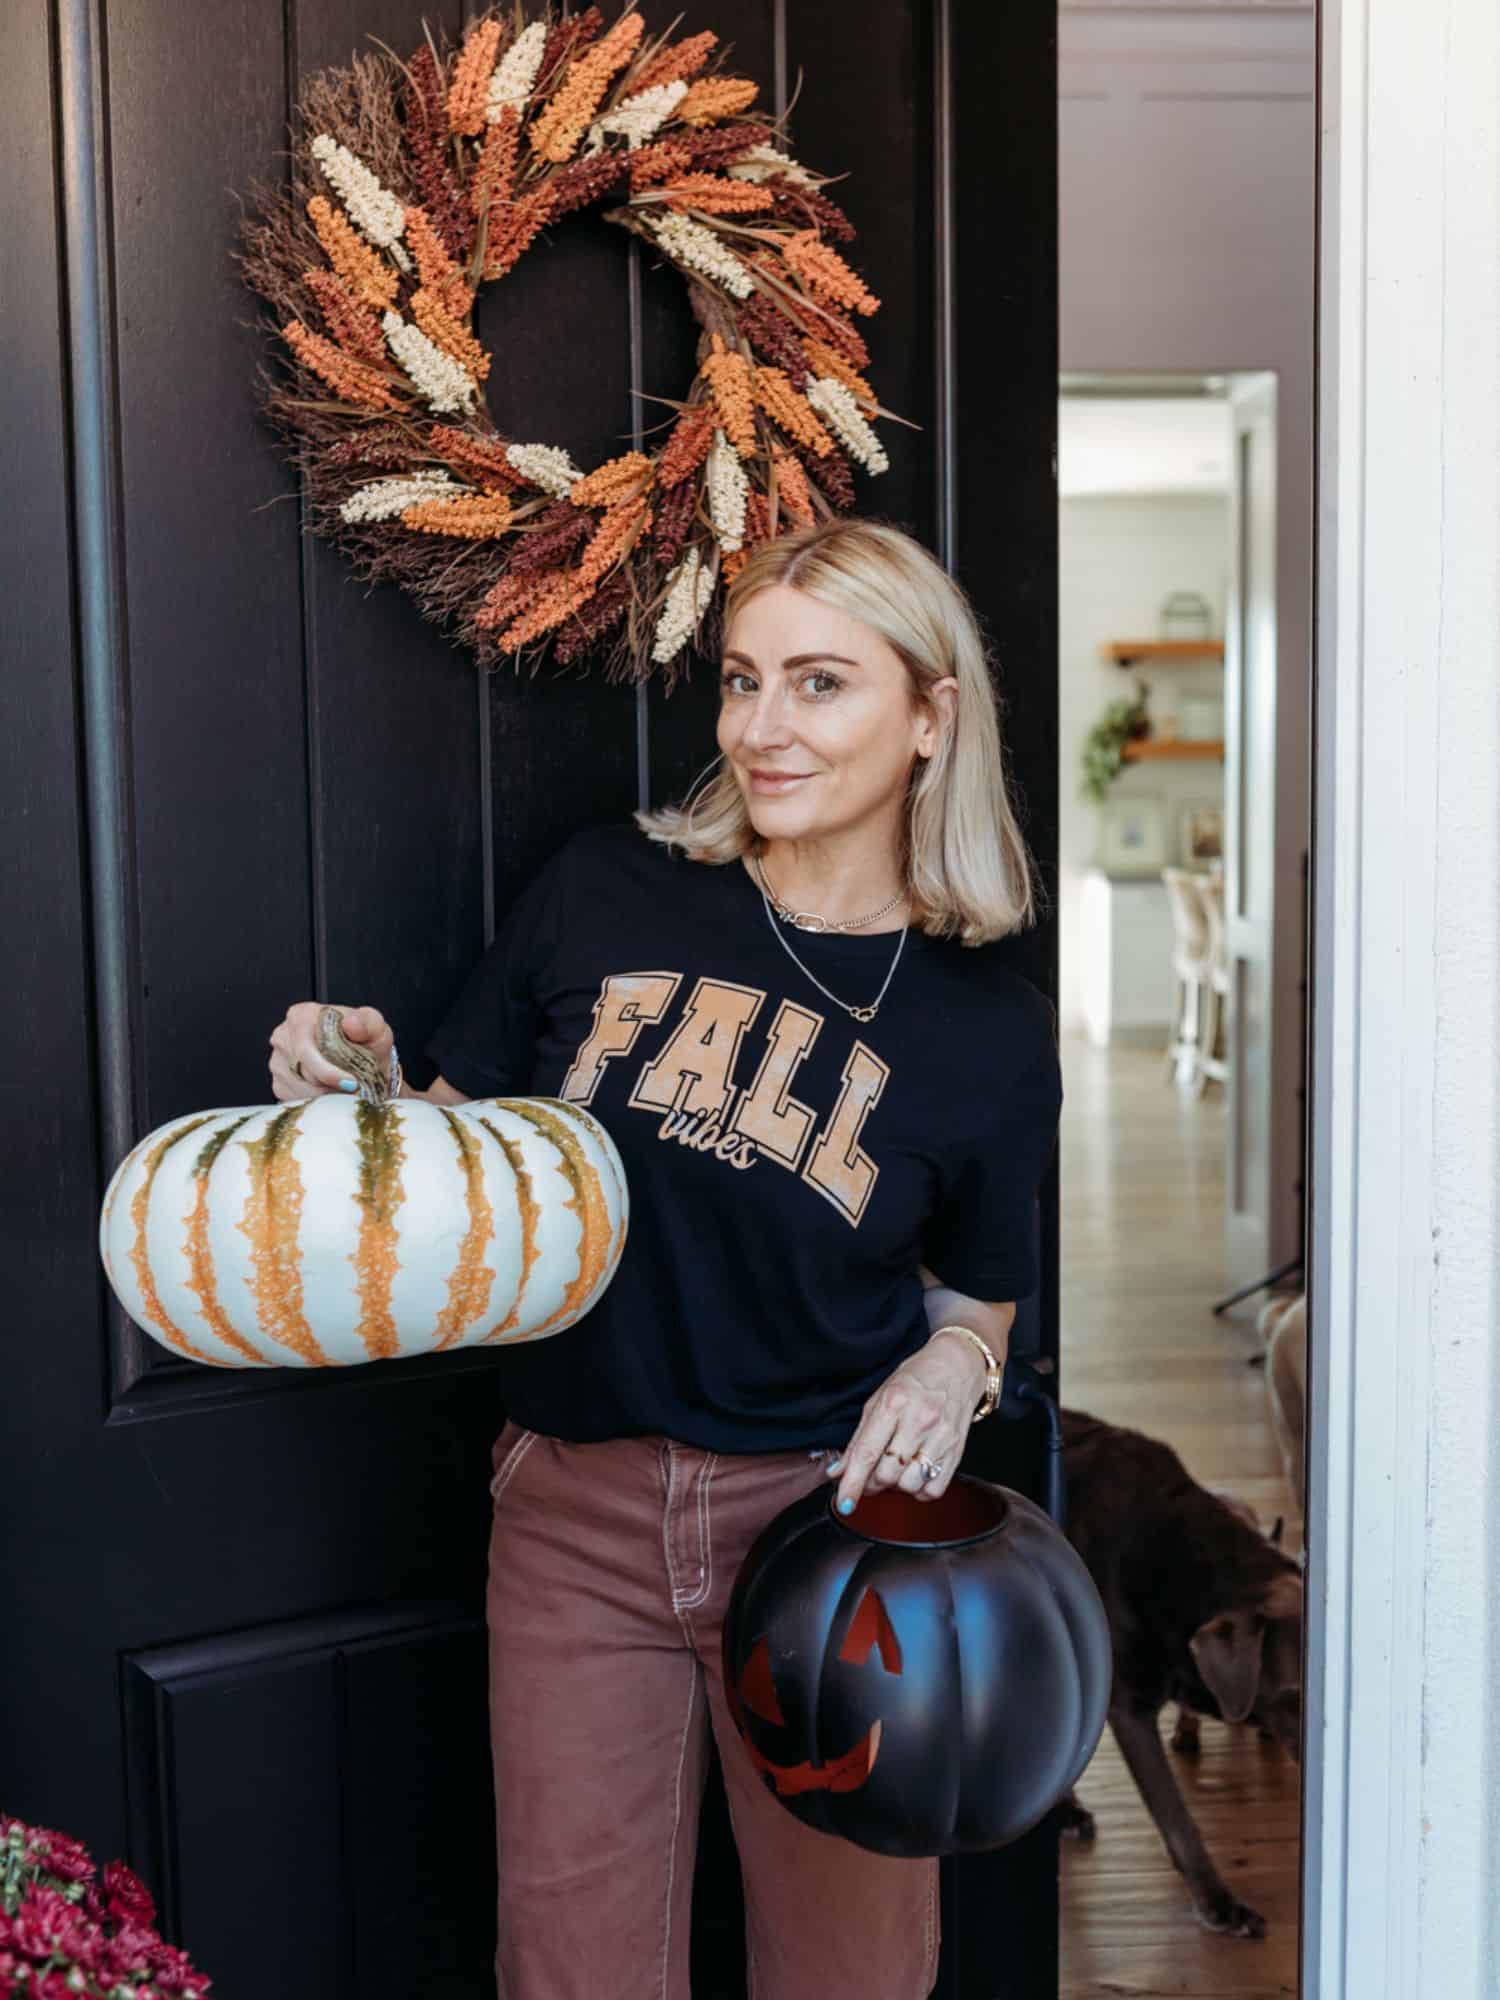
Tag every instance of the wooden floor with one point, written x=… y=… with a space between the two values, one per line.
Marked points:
x=1142 y=1234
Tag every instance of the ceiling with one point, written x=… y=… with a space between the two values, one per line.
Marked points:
x=1142 y=444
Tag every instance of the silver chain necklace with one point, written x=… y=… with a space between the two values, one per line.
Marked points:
x=858 y=1013
x=809 y=920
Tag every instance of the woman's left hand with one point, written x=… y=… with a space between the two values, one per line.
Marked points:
x=921 y=1410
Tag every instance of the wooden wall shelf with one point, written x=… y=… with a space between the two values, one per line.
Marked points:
x=1163 y=652
x=1147 y=747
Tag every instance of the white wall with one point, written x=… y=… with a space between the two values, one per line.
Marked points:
x=1187 y=192
x=1119 y=557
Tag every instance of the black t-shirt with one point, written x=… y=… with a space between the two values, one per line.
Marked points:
x=788 y=1167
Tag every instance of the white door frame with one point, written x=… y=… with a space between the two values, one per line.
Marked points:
x=1400 y=1819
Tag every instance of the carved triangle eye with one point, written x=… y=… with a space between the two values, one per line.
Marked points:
x=756 y=1690
x=872 y=1627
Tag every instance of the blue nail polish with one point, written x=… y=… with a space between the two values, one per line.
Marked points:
x=846 y=1506
x=834 y=1465
x=347 y=1083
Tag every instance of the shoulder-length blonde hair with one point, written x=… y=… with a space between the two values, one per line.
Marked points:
x=966 y=863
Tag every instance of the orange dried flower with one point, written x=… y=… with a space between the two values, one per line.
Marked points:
x=712 y=194
x=475 y=517
x=615 y=533
x=617 y=479
x=688 y=446
x=350 y=321
x=682 y=59
x=773 y=390
x=510 y=595
x=731 y=562
x=481 y=460
x=350 y=380
x=824 y=272
x=436 y=269
x=449 y=333
x=513 y=226
x=826 y=360
x=495 y=168
x=556 y=132
x=659 y=162
x=791 y=487
x=471 y=78
x=562 y=596
x=717 y=97
x=362 y=269
x=729 y=380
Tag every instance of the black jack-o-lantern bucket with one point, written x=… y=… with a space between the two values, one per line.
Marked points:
x=920 y=1677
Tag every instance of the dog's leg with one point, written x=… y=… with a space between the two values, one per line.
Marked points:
x=1214 y=1905
x=1074 y=1820
x=1185 y=1739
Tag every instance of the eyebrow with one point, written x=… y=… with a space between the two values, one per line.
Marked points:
x=796 y=659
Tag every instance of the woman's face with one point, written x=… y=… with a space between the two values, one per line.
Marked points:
x=817 y=718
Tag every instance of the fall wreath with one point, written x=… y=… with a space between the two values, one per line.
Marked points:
x=412 y=185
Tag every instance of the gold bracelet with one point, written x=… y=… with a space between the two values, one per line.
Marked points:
x=992 y=1369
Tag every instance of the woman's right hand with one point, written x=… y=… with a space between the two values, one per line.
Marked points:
x=298 y=1070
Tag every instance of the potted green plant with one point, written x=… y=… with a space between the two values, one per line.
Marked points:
x=1121 y=723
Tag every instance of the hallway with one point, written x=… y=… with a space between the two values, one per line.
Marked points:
x=1142 y=1226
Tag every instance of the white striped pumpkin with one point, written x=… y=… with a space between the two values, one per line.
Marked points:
x=335 y=1231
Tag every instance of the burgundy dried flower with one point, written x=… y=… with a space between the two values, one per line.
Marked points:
x=831 y=474
x=425 y=111
x=674 y=517
x=809 y=206
x=774 y=338
x=721 y=143
x=559 y=531
x=584 y=181
x=599 y=615
x=565 y=39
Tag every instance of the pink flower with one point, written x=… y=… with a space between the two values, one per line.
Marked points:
x=176 y=1974
x=42 y=1918
x=54 y=1986
x=129 y=1950
x=60 y=1855
x=128 y=1897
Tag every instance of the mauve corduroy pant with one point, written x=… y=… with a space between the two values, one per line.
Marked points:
x=610 y=1569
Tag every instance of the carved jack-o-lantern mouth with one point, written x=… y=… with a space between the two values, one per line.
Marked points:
x=869 y=1631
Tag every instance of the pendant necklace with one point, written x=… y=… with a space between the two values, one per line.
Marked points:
x=858 y=1013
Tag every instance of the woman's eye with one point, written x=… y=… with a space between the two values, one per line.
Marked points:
x=821 y=674
x=730 y=676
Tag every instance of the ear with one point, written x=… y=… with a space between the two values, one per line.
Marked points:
x=935 y=714
x=1227 y=1652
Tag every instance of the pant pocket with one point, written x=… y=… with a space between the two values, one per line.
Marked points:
x=506 y=1454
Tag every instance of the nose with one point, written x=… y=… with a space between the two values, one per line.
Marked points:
x=764 y=724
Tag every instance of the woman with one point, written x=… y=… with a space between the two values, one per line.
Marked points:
x=833 y=1103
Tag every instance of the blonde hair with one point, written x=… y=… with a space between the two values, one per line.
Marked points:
x=963 y=854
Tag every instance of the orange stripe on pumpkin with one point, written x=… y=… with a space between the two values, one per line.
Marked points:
x=469 y=1284
x=201 y=1280
x=587 y=1203
x=140 y=1202
x=381 y=1153
x=526 y=1202
x=272 y=1213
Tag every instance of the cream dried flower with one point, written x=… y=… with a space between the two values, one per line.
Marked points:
x=442 y=383
x=688 y=242
x=762 y=161
x=638 y=118
x=545 y=465
x=515 y=73
x=689 y=588
x=728 y=493
x=835 y=403
x=373 y=209
x=383 y=498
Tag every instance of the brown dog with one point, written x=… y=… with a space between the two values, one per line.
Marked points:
x=1203 y=1610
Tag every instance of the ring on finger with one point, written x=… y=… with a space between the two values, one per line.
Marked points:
x=930 y=1468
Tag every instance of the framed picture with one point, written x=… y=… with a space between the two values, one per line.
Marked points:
x=1132 y=836
x=1201 y=834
